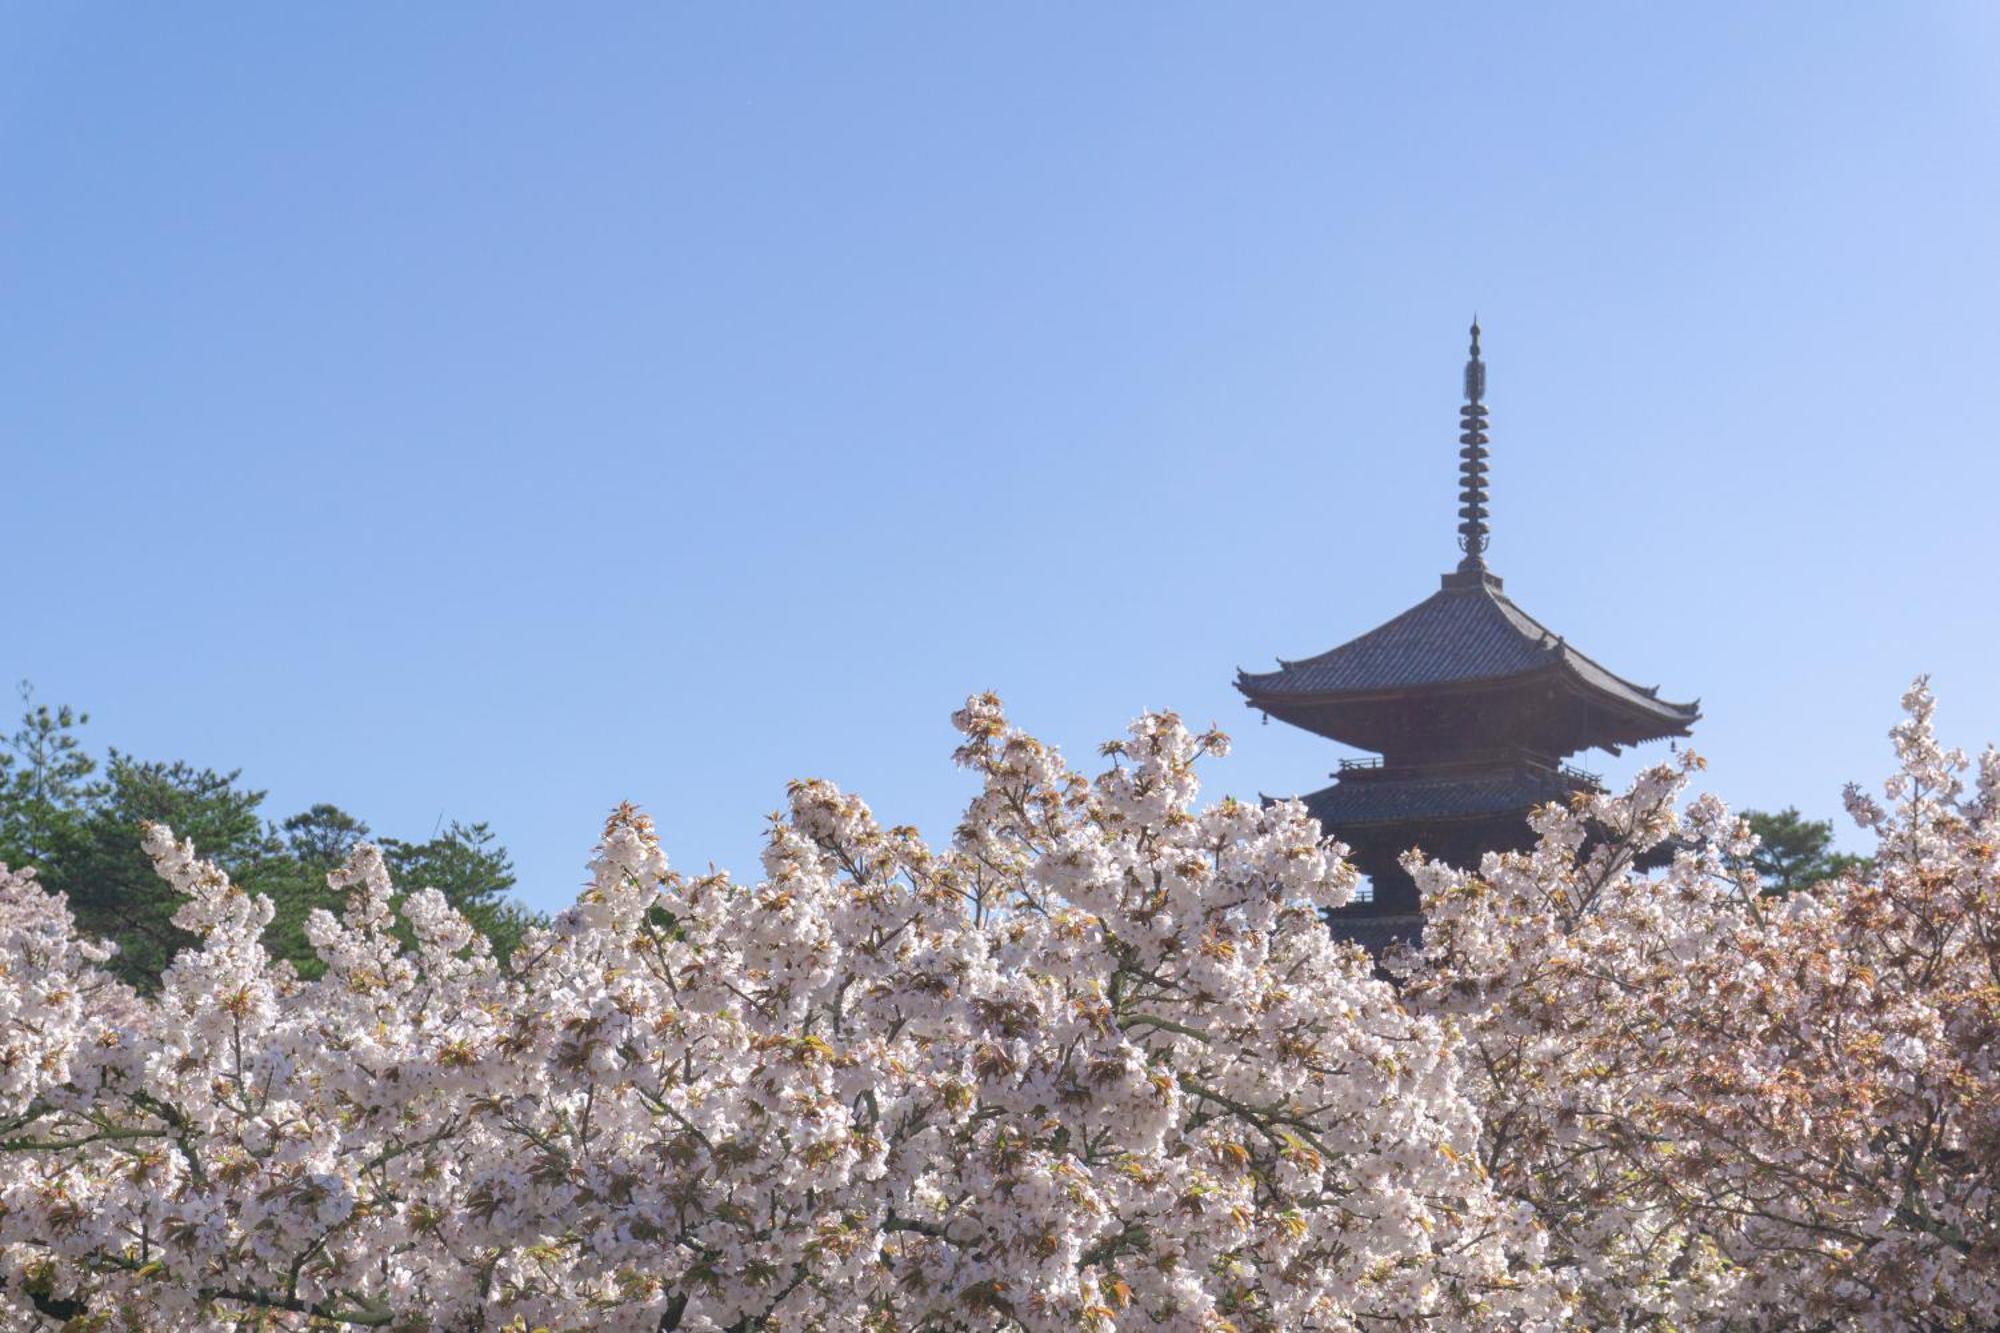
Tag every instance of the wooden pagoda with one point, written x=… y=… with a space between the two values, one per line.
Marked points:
x=1471 y=705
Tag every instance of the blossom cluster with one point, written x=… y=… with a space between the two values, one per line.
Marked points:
x=1730 y=1111
x=1095 y=1063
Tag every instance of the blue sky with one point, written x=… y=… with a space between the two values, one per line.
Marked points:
x=497 y=412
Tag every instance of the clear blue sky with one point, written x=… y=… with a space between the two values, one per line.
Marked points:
x=501 y=411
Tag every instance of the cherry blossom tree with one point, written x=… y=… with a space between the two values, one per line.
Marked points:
x=1095 y=1064
x=1733 y=1112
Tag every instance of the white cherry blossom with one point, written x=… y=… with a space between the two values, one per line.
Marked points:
x=1095 y=1063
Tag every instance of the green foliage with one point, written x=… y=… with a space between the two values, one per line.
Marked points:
x=322 y=837
x=1795 y=852
x=80 y=831
x=44 y=781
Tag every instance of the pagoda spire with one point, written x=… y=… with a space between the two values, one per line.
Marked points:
x=1472 y=463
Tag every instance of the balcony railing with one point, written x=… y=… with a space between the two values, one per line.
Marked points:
x=1373 y=763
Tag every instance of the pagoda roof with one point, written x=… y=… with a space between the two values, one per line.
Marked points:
x=1386 y=800
x=1468 y=634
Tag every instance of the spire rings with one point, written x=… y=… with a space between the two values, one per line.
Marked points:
x=1472 y=512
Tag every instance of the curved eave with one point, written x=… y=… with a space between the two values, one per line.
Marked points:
x=1646 y=718
x=1640 y=702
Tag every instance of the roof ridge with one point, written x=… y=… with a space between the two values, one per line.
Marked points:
x=1569 y=649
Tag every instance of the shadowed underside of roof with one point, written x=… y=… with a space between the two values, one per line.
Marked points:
x=1377 y=933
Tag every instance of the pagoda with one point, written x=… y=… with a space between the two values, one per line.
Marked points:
x=1471 y=706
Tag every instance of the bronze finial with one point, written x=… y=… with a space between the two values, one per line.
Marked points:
x=1475 y=369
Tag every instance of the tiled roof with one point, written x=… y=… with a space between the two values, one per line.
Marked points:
x=1374 y=800
x=1458 y=635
